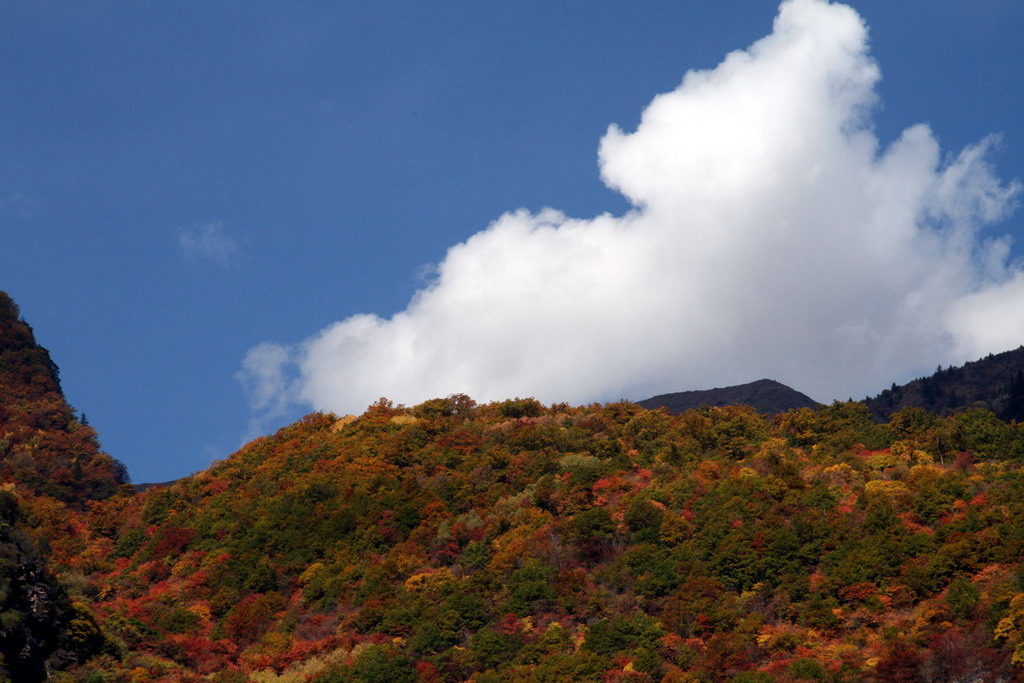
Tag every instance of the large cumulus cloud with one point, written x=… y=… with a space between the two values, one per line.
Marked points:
x=771 y=236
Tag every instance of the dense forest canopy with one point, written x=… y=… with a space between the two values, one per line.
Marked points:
x=516 y=541
x=451 y=541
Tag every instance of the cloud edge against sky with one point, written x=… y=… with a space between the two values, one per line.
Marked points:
x=772 y=236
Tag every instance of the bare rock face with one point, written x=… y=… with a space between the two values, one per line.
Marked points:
x=32 y=603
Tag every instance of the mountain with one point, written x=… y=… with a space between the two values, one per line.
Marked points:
x=995 y=383
x=51 y=468
x=44 y=447
x=766 y=396
x=513 y=541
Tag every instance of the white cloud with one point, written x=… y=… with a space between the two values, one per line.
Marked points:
x=266 y=382
x=210 y=243
x=772 y=236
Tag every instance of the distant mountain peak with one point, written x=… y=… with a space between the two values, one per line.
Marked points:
x=765 y=396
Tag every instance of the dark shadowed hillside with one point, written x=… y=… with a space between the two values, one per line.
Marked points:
x=995 y=383
x=766 y=396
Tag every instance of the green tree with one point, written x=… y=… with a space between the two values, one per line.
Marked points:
x=979 y=431
x=382 y=664
x=623 y=633
x=592 y=531
x=962 y=597
x=492 y=648
x=529 y=587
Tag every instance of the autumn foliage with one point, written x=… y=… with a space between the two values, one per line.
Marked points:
x=514 y=541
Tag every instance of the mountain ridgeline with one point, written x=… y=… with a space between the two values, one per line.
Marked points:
x=766 y=396
x=512 y=542
x=994 y=383
x=44 y=446
x=51 y=468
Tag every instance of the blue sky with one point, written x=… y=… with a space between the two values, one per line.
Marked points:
x=181 y=182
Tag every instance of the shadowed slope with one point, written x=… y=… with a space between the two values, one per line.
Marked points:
x=766 y=396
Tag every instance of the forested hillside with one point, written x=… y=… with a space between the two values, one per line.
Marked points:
x=513 y=541
x=44 y=447
x=995 y=383
x=51 y=468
